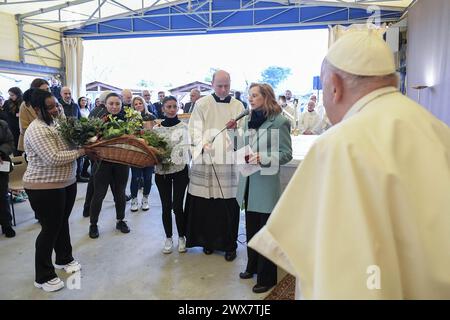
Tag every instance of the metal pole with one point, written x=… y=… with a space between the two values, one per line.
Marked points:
x=21 y=41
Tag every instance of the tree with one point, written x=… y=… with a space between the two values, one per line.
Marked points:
x=145 y=84
x=273 y=75
x=208 y=78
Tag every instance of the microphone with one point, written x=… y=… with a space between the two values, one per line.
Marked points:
x=231 y=122
x=242 y=114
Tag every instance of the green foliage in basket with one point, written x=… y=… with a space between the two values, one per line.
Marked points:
x=78 y=132
x=155 y=140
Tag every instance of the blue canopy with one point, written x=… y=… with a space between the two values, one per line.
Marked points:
x=227 y=16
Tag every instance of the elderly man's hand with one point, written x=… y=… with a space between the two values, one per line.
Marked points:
x=232 y=124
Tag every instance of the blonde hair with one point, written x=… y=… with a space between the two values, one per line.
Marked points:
x=141 y=100
x=270 y=106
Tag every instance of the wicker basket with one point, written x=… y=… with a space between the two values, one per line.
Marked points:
x=126 y=149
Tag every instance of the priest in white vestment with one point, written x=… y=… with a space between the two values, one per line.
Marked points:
x=211 y=206
x=367 y=213
x=309 y=120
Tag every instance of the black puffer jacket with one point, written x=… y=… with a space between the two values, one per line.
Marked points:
x=6 y=141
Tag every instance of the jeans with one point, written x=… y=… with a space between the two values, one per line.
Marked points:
x=136 y=175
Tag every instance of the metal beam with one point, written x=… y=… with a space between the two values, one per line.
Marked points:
x=4 y=3
x=54 y=8
x=42 y=36
x=21 y=42
x=212 y=30
x=127 y=15
x=42 y=57
x=95 y=11
x=27 y=68
x=43 y=46
x=34 y=41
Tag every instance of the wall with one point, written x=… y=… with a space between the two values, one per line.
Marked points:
x=43 y=40
x=428 y=55
x=8 y=38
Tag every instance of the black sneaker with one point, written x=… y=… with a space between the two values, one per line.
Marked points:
x=230 y=256
x=93 y=231
x=207 y=251
x=122 y=226
x=8 y=231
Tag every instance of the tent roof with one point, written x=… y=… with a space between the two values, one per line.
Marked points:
x=191 y=85
x=114 y=18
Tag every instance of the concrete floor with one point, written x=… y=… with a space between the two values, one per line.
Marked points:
x=123 y=266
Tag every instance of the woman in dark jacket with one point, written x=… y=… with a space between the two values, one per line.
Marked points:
x=106 y=173
x=6 y=148
x=11 y=108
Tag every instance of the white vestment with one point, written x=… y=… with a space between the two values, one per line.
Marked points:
x=367 y=213
x=308 y=121
x=206 y=121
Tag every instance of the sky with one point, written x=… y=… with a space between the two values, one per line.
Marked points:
x=166 y=62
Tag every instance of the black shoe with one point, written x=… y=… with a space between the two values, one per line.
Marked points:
x=246 y=275
x=82 y=179
x=85 y=213
x=230 y=256
x=261 y=289
x=122 y=226
x=93 y=231
x=8 y=231
x=207 y=251
x=128 y=197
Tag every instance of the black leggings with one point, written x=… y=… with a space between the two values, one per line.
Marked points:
x=53 y=206
x=177 y=181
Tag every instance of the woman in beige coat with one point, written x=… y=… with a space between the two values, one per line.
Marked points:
x=26 y=112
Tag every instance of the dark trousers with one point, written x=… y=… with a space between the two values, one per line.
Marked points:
x=109 y=173
x=85 y=167
x=136 y=175
x=172 y=188
x=5 y=211
x=90 y=191
x=53 y=206
x=79 y=166
x=265 y=269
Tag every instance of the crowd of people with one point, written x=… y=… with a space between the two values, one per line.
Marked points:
x=200 y=187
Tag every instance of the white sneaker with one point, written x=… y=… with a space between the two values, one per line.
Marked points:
x=145 y=205
x=134 y=205
x=71 y=267
x=52 y=285
x=168 y=246
x=182 y=244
